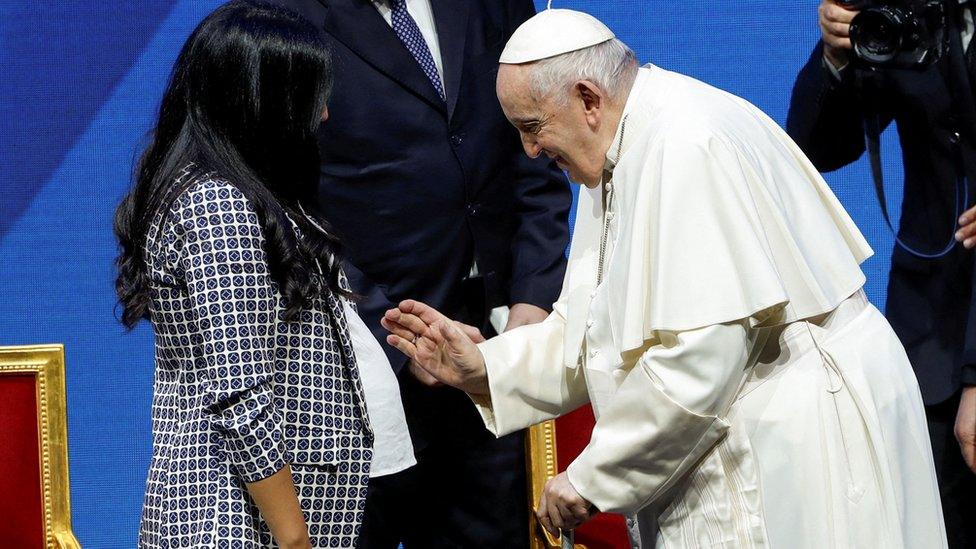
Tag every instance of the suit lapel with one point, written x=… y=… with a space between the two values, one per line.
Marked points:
x=451 y=20
x=958 y=72
x=357 y=25
x=961 y=93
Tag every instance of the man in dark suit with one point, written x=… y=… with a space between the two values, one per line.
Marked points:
x=931 y=302
x=425 y=182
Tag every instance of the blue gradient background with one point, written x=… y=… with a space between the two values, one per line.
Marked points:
x=80 y=87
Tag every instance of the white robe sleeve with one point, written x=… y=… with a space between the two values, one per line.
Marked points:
x=664 y=417
x=527 y=379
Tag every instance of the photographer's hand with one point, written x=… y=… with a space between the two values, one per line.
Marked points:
x=835 y=25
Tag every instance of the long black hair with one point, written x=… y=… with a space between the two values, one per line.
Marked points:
x=244 y=102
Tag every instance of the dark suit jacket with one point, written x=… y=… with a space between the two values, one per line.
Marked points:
x=417 y=188
x=930 y=302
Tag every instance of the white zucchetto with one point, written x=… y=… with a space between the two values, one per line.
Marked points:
x=554 y=32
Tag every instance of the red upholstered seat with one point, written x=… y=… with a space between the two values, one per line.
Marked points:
x=21 y=502
x=34 y=499
x=552 y=447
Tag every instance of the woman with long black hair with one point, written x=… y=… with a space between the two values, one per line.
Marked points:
x=260 y=430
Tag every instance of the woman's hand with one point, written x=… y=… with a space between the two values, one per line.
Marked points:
x=299 y=544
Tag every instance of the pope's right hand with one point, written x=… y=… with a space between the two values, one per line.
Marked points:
x=442 y=348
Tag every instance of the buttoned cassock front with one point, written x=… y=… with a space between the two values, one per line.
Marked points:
x=746 y=393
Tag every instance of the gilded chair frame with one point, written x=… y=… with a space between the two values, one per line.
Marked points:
x=46 y=363
x=542 y=466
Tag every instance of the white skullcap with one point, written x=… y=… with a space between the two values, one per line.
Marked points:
x=554 y=32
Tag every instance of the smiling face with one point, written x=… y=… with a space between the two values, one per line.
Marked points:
x=575 y=133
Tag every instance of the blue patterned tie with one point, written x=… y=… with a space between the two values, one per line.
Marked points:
x=408 y=32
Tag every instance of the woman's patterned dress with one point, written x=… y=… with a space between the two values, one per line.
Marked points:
x=239 y=392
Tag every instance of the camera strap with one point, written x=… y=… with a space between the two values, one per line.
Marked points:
x=872 y=141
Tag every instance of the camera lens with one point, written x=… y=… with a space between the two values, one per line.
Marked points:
x=877 y=34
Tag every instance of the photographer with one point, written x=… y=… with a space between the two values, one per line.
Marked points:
x=931 y=303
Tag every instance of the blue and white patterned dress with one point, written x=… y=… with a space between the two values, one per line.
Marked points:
x=239 y=392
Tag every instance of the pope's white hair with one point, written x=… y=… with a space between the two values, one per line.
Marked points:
x=611 y=65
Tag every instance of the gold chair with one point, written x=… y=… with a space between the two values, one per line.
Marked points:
x=546 y=459
x=34 y=497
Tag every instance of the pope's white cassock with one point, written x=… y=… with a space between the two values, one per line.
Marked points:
x=747 y=393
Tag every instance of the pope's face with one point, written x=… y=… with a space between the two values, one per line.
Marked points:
x=565 y=133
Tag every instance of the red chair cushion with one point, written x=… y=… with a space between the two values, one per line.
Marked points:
x=21 y=498
x=605 y=530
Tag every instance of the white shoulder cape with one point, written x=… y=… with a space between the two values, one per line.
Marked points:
x=721 y=218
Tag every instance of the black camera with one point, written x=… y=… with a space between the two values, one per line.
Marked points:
x=905 y=34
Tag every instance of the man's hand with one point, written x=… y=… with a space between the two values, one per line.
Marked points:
x=389 y=322
x=835 y=28
x=561 y=506
x=967 y=228
x=966 y=426
x=442 y=348
x=418 y=372
x=522 y=314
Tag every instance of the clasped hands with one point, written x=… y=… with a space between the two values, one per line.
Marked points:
x=442 y=350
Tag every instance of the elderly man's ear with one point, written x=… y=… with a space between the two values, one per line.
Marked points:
x=593 y=101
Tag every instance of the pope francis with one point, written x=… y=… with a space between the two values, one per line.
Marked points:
x=747 y=394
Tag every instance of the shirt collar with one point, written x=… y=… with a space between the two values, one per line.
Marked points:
x=613 y=153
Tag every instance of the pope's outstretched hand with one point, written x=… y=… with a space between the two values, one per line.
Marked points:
x=445 y=349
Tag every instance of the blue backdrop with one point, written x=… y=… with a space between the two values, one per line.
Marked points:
x=80 y=87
